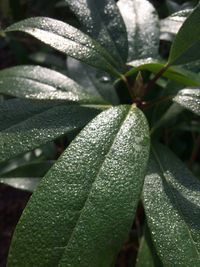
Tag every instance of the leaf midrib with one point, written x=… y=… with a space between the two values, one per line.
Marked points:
x=98 y=172
x=185 y=51
x=106 y=29
x=32 y=117
x=97 y=49
x=21 y=77
x=175 y=200
x=51 y=108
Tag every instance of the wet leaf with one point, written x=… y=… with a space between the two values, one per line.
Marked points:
x=40 y=124
x=103 y=22
x=174 y=73
x=14 y=111
x=189 y=99
x=68 y=40
x=171 y=200
x=21 y=183
x=81 y=212
x=185 y=47
x=172 y=24
x=37 y=82
x=143 y=36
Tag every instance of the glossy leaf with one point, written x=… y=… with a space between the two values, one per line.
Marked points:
x=171 y=200
x=26 y=177
x=43 y=125
x=177 y=74
x=36 y=82
x=103 y=22
x=189 y=99
x=21 y=183
x=14 y=111
x=82 y=210
x=173 y=23
x=185 y=47
x=143 y=36
x=67 y=39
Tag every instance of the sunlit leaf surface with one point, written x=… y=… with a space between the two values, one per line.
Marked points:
x=142 y=25
x=81 y=212
x=172 y=206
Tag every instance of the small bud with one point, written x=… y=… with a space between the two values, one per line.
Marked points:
x=138 y=87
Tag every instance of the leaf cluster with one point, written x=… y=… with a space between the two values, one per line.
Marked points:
x=122 y=113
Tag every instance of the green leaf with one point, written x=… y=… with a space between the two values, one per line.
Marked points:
x=189 y=99
x=14 y=111
x=81 y=212
x=143 y=36
x=68 y=40
x=193 y=66
x=21 y=183
x=177 y=74
x=171 y=200
x=43 y=124
x=145 y=257
x=173 y=23
x=169 y=115
x=103 y=22
x=26 y=177
x=36 y=82
x=185 y=47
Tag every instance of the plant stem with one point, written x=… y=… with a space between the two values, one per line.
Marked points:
x=157 y=76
